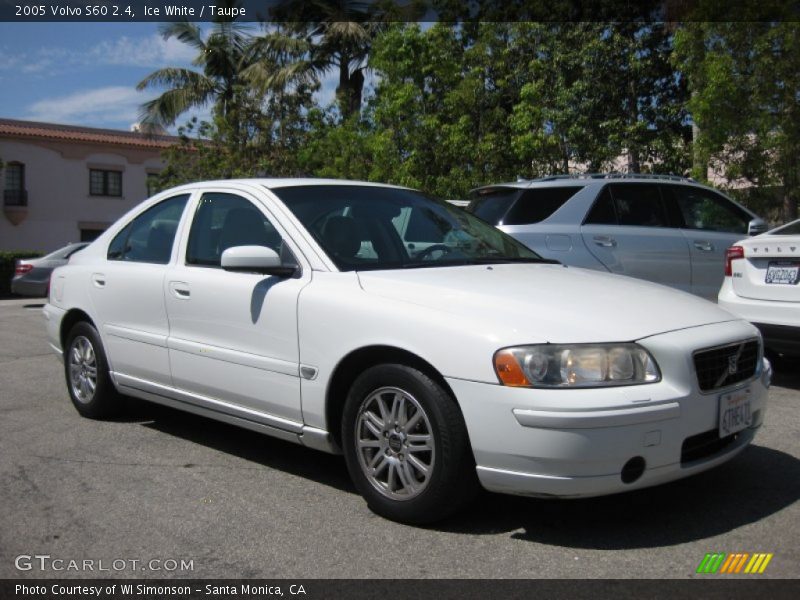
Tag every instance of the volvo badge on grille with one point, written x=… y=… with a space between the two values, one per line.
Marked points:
x=732 y=364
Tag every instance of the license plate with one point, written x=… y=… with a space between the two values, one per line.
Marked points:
x=734 y=412
x=784 y=273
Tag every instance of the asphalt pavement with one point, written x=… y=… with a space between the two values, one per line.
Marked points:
x=158 y=488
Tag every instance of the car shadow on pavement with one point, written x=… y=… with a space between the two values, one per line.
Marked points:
x=786 y=372
x=258 y=448
x=753 y=486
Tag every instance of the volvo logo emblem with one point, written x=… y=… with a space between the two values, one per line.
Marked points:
x=733 y=364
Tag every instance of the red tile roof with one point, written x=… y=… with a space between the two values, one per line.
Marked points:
x=72 y=133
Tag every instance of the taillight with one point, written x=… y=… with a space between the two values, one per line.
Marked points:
x=22 y=269
x=731 y=254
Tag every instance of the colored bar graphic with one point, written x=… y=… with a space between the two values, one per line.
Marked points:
x=711 y=563
x=720 y=562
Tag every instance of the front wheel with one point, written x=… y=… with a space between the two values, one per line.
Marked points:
x=86 y=370
x=406 y=445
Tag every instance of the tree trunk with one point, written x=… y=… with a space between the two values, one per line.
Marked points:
x=789 y=204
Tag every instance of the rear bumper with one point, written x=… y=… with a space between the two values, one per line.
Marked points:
x=52 y=318
x=779 y=322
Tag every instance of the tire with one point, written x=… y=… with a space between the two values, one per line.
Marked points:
x=86 y=371
x=388 y=465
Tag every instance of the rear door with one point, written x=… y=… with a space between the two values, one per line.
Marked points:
x=711 y=224
x=127 y=292
x=629 y=231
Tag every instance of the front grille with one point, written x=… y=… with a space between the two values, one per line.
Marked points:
x=704 y=444
x=726 y=365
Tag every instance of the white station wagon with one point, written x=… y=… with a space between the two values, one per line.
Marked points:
x=303 y=309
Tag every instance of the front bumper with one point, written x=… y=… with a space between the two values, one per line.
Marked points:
x=575 y=443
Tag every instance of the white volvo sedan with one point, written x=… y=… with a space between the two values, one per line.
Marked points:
x=326 y=313
x=762 y=285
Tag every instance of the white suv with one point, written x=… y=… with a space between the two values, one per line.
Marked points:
x=661 y=228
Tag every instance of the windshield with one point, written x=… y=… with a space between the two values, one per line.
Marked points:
x=364 y=227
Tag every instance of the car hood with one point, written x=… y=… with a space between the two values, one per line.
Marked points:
x=526 y=303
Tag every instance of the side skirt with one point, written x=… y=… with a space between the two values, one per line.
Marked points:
x=284 y=429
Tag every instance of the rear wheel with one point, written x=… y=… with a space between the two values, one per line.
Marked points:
x=406 y=445
x=86 y=370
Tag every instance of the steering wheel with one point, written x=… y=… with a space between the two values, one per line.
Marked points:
x=425 y=254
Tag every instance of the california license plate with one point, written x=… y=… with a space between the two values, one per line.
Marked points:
x=782 y=273
x=734 y=412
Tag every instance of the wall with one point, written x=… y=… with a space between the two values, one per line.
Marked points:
x=57 y=181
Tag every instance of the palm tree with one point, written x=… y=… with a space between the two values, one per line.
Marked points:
x=315 y=38
x=222 y=57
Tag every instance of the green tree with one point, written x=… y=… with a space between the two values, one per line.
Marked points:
x=222 y=56
x=316 y=38
x=745 y=83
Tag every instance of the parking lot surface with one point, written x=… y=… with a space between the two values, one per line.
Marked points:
x=161 y=485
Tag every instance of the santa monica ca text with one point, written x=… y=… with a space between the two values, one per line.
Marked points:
x=245 y=589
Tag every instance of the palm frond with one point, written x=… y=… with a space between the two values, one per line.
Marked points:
x=177 y=78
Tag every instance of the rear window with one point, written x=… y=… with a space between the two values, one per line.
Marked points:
x=492 y=205
x=538 y=204
x=790 y=229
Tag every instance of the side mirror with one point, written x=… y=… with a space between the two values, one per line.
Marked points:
x=756 y=226
x=255 y=259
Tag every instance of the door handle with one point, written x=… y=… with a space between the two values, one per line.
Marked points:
x=99 y=280
x=180 y=289
x=606 y=241
x=704 y=246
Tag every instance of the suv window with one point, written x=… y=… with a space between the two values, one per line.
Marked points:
x=537 y=204
x=149 y=237
x=703 y=209
x=638 y=204
x=223 y=221
x=631 y=204
x=492 y=205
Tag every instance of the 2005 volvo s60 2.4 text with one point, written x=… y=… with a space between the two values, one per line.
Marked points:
x=431 y=349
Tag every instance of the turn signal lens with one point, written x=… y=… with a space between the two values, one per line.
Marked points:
x=731 y=254
x=508 y=369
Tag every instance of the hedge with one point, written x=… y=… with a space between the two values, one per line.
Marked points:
x=8 y=259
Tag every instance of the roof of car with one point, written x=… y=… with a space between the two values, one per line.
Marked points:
x=281 y=182
x=583 y=178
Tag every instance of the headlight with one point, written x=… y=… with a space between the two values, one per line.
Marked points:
x=575 y=365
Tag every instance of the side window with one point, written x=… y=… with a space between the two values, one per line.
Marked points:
x=149 y=237
x=639 y=204
x=424 y=228
x=223 y=221
x=703 y=209
x=602 y=213
x=538 y=204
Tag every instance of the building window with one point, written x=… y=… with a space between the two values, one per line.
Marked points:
x=15 y=193
x=105 y=183
x=90 y=235
x=153 y=184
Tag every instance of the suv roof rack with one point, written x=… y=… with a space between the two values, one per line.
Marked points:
x=614 y=176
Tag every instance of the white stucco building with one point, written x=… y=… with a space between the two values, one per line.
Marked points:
x=64 y=184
